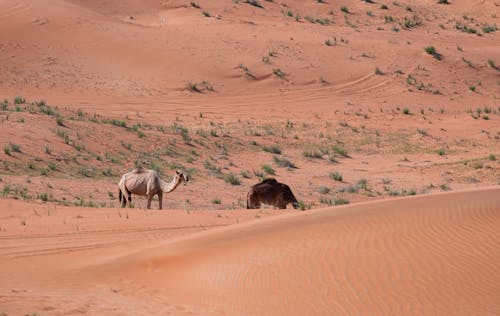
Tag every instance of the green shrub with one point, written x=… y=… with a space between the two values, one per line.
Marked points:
x=431 y=50
x=16 y=148
x=268 y=169
x=274 y=149
x=340 y=201
x=285 y=163
x=19 y=100
x=337 y=176
x=233 y=179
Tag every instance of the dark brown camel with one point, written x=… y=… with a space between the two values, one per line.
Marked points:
x=271 y=192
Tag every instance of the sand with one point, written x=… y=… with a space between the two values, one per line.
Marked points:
x=341 y=100
x=417 y=255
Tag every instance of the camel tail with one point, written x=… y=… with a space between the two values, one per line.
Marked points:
x=120 y=195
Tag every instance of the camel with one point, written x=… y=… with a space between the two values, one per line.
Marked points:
x=270 y=191
x=146 y=183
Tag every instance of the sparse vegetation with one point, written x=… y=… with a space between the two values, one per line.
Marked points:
x=283 y=162
x=340 y=201
x=268 y=169
x=19 y=100
x=493 y=65
x=274 y=149
x=431 y=50
x=254 y=3
x=337 y=176
x=232 y=179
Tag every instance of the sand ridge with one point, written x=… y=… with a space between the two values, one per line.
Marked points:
x=416 y=255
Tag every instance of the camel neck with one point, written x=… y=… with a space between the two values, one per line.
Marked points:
x=169 y=186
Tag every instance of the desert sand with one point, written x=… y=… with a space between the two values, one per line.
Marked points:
x=391 y=107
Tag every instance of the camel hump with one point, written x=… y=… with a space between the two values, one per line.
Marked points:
x=270 y=181
x=139 y=169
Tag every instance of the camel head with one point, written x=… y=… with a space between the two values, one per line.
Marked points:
x=181 y=176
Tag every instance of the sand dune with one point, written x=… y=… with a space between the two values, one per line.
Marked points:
x=436 y=254
x=426 y=255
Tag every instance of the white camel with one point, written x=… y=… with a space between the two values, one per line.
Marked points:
x=146 y=183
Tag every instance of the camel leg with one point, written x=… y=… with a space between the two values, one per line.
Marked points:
x=252 y=202
x=121 y=198
x=160 y=199
x=128 y=197
x=150 y=198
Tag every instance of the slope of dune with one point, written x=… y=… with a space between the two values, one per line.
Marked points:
x=420 y=255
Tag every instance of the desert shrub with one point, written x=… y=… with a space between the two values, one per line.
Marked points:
x=323 y=190
x=337 y=176
x=339 y=201
x=232 y=179
x=108 y=172
x=362 y=184
x=6 y=190
x=431 y=50
x=60 y=121
x=285 y=163
x=19 y=100
x=274 y=149
x=312 y=154
x=15 y=148
x=490 y=28
x=492 y=64
x=268 y=169
x=341 y=151
x=43 y=196
x=255 y=3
